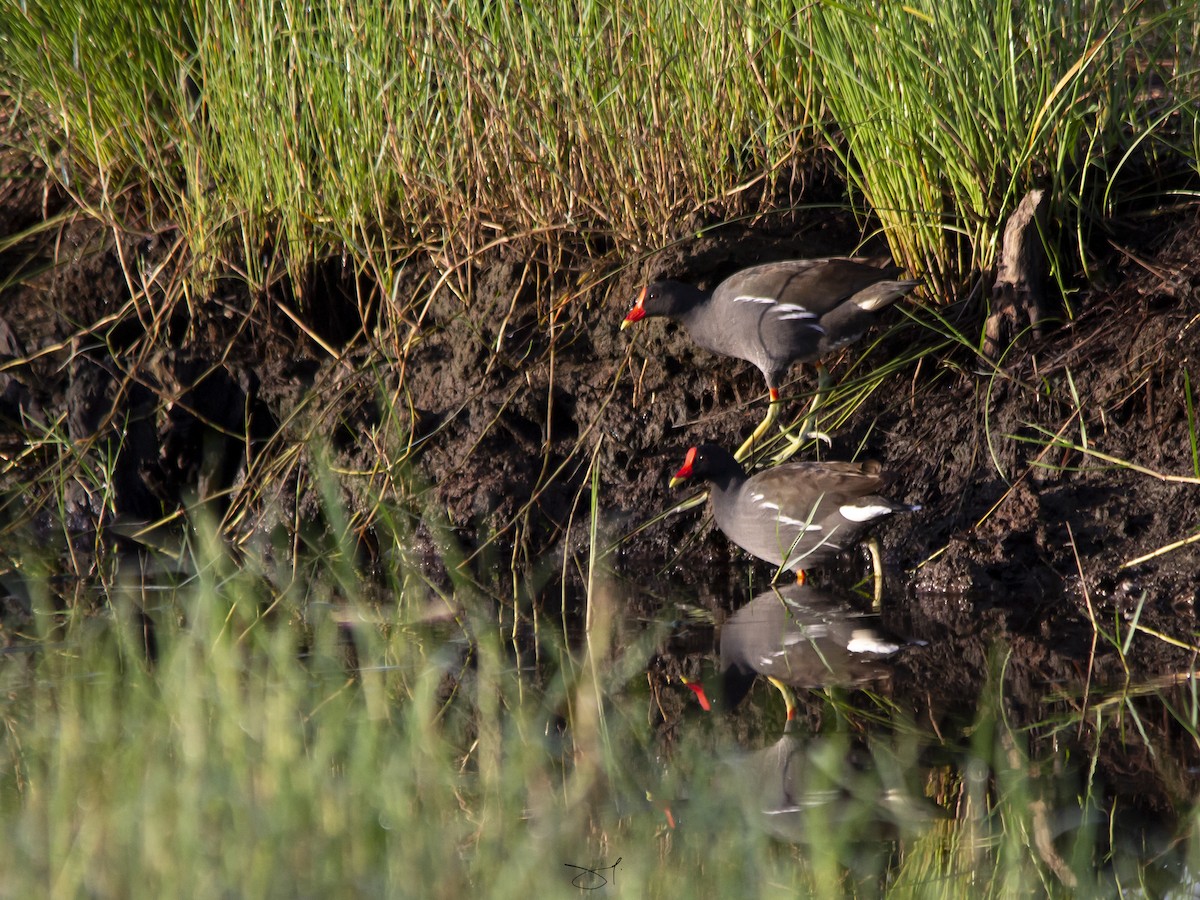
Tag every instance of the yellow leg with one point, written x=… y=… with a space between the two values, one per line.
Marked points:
x=877 y=565
x=772 y=413
x=789 y=699
x=803 y=432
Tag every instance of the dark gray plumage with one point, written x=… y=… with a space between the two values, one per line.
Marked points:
x=794 y=515
x=778 y=313
x=804 y=637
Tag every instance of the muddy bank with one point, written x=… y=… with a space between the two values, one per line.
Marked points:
x=500 y=407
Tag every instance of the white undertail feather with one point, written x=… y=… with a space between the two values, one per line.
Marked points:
x=871 y=304
x=880 y=295
x=865 y=641
x=864 y=513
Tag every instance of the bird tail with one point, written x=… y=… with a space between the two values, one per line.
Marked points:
x=883 y=293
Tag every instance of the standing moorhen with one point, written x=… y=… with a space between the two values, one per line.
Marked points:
x=796 y=514
x=777 y=314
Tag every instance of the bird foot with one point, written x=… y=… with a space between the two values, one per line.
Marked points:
x=797 y=440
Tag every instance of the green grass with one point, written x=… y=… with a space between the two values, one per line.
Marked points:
x=271 y=135
x=952 y=112
x=317 y=129
x=292 y=737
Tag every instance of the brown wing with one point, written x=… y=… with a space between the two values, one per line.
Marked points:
x=800 y=483
x=818 y=285
x=801 y=309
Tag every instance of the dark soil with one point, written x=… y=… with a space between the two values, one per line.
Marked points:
x=1018 y=544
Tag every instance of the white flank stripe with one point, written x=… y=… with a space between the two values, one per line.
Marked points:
x=864 y=513
x=870 y=642
x=803 y=523
x=810 y=800
x=748 y=299
x=792 y=309
x=810 y=633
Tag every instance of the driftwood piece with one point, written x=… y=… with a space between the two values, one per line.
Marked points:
x=1018 y=295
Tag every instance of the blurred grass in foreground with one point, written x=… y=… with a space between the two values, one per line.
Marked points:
x=287 y=745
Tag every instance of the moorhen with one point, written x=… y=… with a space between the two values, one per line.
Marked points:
x=852 y=793
x=797 y=784
x=801 y=636
x=777 y=314
x=805 y=788
x=796 y=514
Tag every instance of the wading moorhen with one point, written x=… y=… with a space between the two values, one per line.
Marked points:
x=860 y=791
x=804 y=637
x=801 y=636
x=777 y=314
x=849 y=793
x=794 y=515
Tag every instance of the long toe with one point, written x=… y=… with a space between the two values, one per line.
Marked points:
x=877 y=567
x=744 y=451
